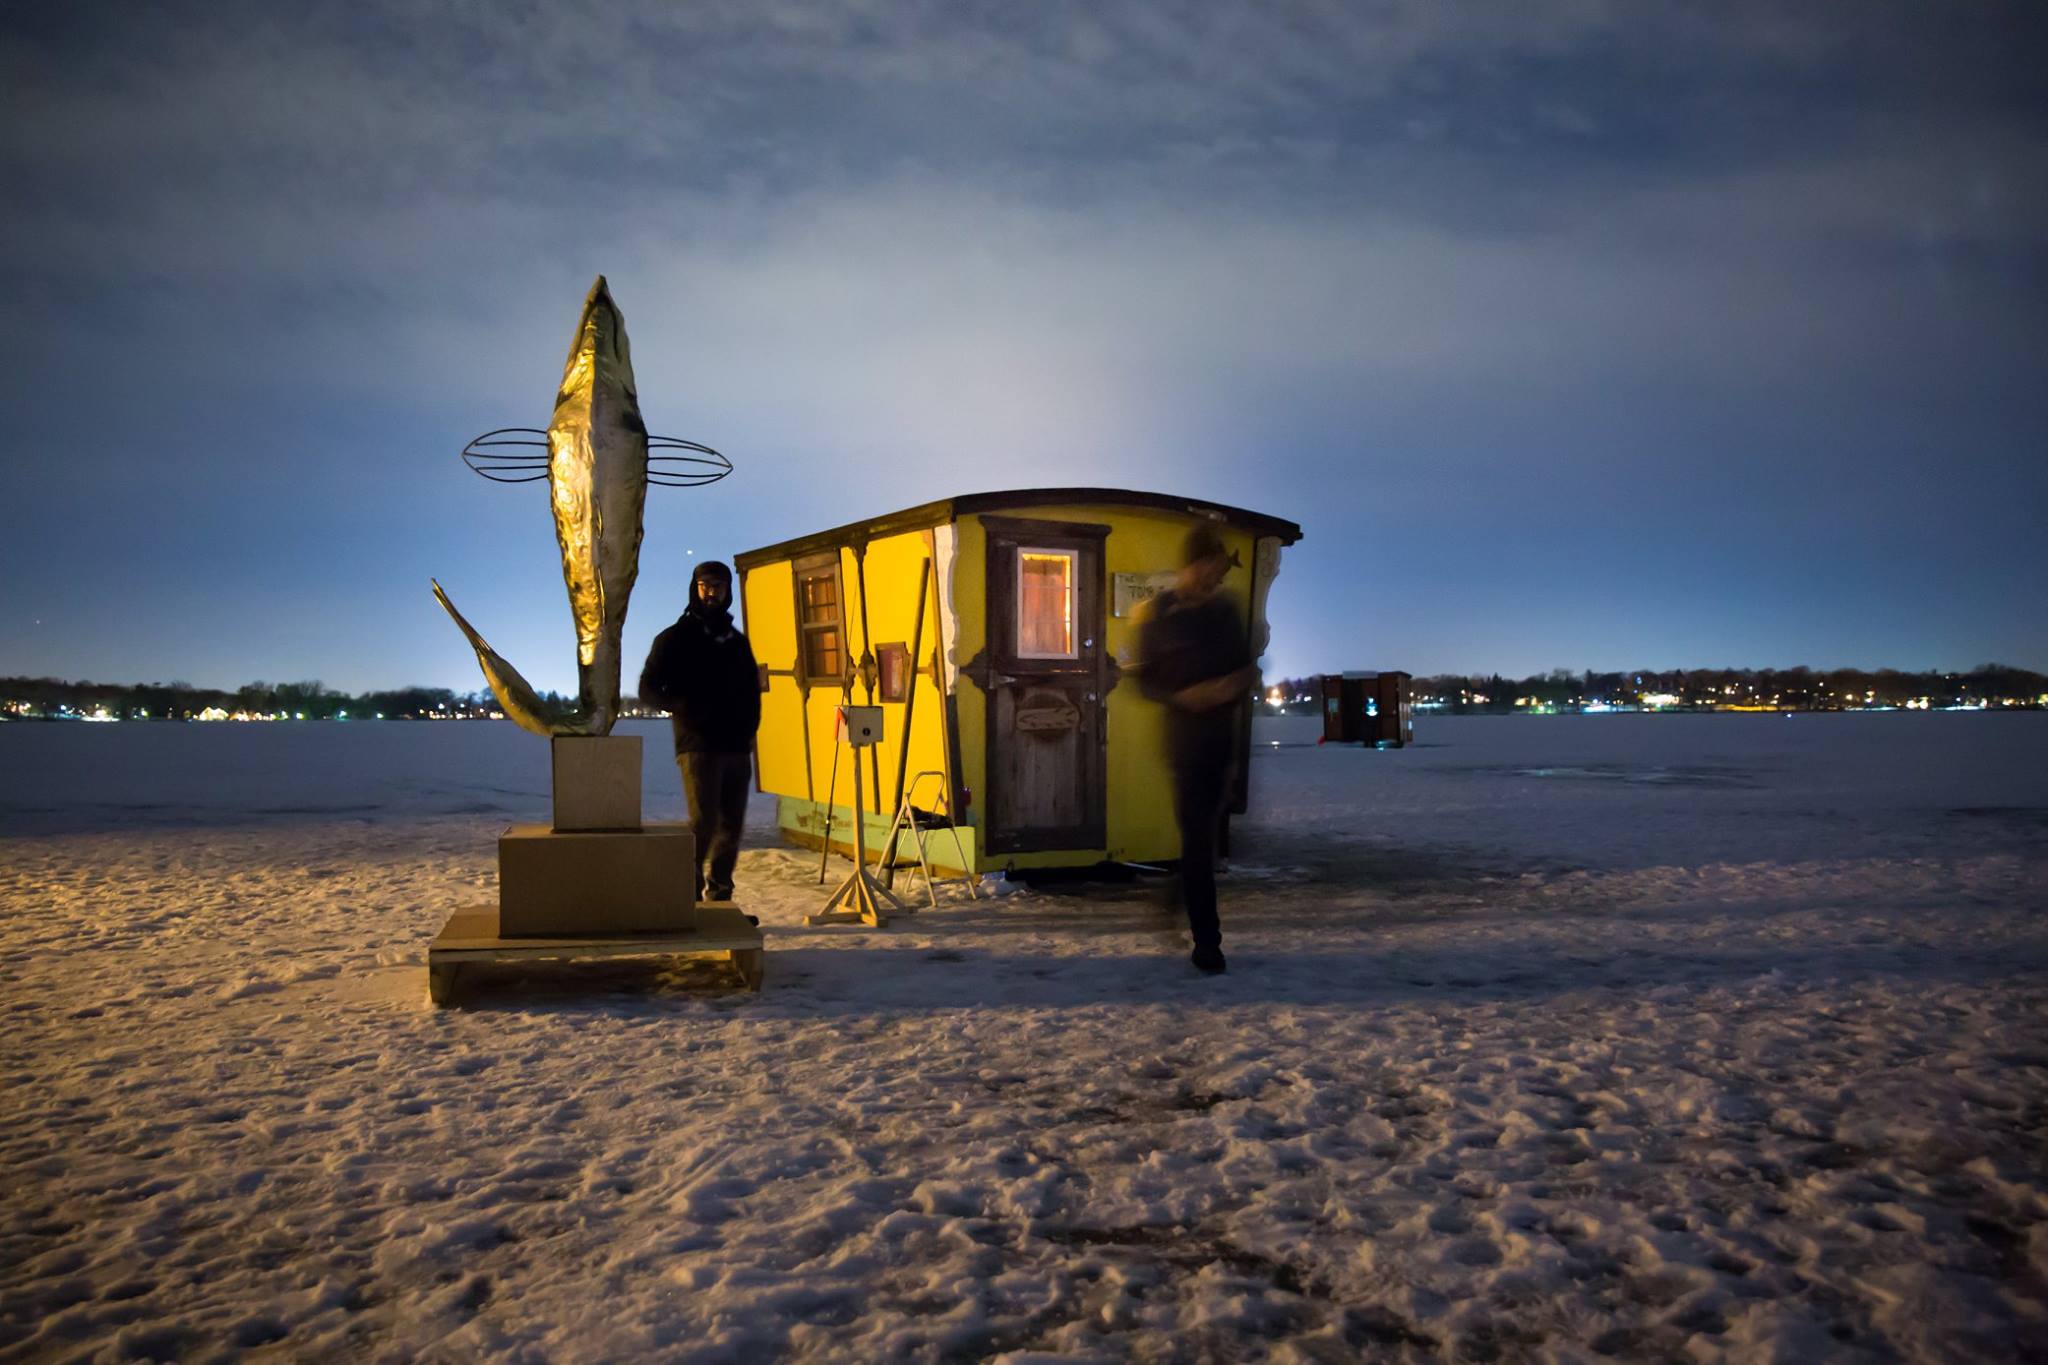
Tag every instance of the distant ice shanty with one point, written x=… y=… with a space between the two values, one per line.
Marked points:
x=1374 y=709
x=993 y=629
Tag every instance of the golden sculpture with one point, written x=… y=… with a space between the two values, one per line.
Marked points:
x=597 y=468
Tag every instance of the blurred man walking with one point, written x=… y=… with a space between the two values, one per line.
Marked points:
x=1194 y=657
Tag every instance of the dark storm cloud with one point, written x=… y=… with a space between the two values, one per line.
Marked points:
x=1601 y=287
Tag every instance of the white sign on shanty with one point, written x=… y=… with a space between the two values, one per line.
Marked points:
x=1132 y=590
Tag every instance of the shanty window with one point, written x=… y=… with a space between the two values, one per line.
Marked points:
x=820 y=626
x=1045 y=604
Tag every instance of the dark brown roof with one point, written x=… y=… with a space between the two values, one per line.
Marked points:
x=949 y=509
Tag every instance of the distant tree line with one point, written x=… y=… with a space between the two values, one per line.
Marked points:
x=58 y=699
x=1699 y=689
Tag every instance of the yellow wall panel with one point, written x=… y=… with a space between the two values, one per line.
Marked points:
x=969 y=593
x=772 y=633
x=768 y=613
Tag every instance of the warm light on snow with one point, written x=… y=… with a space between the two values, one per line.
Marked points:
x=1656 y=1038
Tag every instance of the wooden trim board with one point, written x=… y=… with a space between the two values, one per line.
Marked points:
x=472 y=933
x=952 y=509
x=471 y=937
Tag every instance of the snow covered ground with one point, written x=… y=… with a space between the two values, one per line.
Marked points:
x=1558 y=1039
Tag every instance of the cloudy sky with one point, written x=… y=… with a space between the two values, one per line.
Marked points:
x=1574 y=334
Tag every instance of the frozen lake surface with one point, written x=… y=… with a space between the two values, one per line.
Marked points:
x=1717 y=1037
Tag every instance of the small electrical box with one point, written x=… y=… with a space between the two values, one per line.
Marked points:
x=860 y=726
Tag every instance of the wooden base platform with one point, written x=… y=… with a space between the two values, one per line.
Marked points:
x=471 y=938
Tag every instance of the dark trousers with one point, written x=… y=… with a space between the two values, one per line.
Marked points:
x=1198 y=794
x=716 y=787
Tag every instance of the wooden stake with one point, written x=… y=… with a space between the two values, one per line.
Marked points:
x=860 y=898
x=947 y=717
x=867 y=658
x=831 y=795
x=924 y=572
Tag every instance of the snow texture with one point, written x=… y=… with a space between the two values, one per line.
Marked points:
x=1646 y=1037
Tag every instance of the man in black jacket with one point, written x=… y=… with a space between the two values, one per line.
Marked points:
x=1194 y=657
x=701 y=671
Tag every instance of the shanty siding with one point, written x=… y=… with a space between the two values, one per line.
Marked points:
x=896 y=573
x=804 y=777
x=779 y=749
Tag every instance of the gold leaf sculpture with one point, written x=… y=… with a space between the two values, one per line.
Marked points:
x=598 y=463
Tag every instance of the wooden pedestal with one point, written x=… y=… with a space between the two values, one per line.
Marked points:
x=595 y=883
x=596 y=782
x=555 y=883
x=471 y=939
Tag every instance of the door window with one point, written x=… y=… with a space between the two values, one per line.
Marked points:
x=1045 y=604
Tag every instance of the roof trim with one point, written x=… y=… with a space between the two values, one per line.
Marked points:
x=969 y=504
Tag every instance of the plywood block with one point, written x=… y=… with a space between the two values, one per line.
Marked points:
x=596 y=782
x=553 y=883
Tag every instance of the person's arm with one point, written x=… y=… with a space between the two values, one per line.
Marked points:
x=1211 y=693
x=1225 y=649
x=660 y=677
x=753 y=693
x=1145 y=666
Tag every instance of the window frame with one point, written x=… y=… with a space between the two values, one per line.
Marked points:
x=1073 y=561
x=806 y=570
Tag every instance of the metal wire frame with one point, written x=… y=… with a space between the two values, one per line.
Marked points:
x=508 y=468
x=693 y=466
x=700 y=466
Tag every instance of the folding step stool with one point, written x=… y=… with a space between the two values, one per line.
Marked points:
x=938 y=816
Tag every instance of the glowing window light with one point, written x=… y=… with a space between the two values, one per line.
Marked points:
x=1045 y=604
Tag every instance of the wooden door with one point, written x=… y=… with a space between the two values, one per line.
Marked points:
x=1047 y=685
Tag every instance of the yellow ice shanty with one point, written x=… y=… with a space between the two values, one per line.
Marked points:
x=993 y=630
